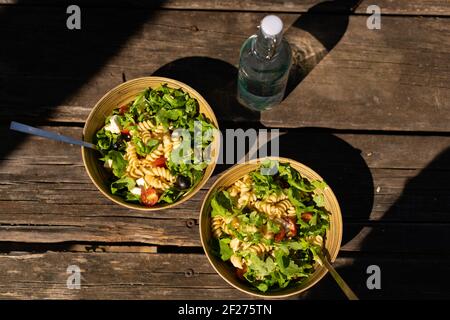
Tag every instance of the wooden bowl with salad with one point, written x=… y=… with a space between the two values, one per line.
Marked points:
x=157 y=143
x=263 y=223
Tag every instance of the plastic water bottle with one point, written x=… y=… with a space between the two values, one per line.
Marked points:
x=264 y=64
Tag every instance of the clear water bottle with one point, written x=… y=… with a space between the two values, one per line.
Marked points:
x=264 y=64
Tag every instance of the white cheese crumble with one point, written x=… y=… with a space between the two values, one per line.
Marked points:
x=136 y=191
x=108 y=164
x=114 y=125
x=140 y=182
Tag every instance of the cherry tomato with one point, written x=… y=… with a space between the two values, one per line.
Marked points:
x=280 y=235
x=306 y=216
x=160 y=162
x=123 y=109
x=292 y=232
x=125 y=132
x=149 y=197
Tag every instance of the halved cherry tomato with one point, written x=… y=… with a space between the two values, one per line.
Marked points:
x=124 y=109
x=149 y=197
x=280 y=235
x=306 y=216
x=292 y=232
x=125 y=132
x=160 y=162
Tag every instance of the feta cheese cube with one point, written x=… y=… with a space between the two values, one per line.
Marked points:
x=114 y=125
x=136 y=191
x=108 y=164
x=140 y=182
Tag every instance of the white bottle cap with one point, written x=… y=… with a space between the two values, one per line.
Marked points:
x=271 y=26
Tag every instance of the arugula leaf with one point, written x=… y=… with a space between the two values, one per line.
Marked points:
x=164 y=115
x=264 y=184
x=119 y=164
x=132 y=197
x=319 y=199
x=125 y=182
x=225 y=251
x=298 y=245
x=319 y=184
x=170 y=195
x=143 y=149
x=105 y=139
x=261 y=267
x=221 y=204
x=262 y=287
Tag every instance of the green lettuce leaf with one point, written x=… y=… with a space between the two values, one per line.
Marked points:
x=119 y=164
x=225 y=251
x=123 y=184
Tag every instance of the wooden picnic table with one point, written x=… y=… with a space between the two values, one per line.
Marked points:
x=370 y=113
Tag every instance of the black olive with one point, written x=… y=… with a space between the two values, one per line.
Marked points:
x=281 y=181
x=116 y=146
x=183 y=182
x=126 y=137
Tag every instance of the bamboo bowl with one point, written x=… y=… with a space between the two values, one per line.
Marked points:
x=226 y=271
x=123 y=94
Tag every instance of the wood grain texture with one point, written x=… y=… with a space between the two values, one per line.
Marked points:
x=49 y=198
x=393 y=189
x=189 y=276
x=428 y=7
x=395 y=78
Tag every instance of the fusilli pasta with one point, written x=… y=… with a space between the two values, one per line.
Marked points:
x=160 y=172
x=156 y=182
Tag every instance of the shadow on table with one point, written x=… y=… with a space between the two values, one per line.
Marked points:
x=410 y=243
x=341 y=165
x=314 y=34
x=44 y=61
x=216 y=81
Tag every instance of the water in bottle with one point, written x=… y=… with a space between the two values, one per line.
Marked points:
x=264 y=64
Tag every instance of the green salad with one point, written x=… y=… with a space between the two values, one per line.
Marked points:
x=269 y=227
x=156 y=146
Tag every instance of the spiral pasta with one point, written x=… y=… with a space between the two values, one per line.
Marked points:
x=260 y=248
x=270 y=209
x=148 y=125
x=216 y=226
x=259 y=232
x=134 y=172
x=167 y=145
x=286 y=207
x=176 y=140
x=137 y=140
x=274 y=197
x=146 y=136
x=233 y=191
x=160 y=172
x=242 y=189
x=158 y=152
x=131 y=155
x=246 y=198
x=156 y=182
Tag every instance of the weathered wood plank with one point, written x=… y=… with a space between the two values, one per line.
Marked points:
x=46 y=195
x=429 y=7
x=371 y=79
x=112 y=276
x=385 y=80
x=189 y=276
